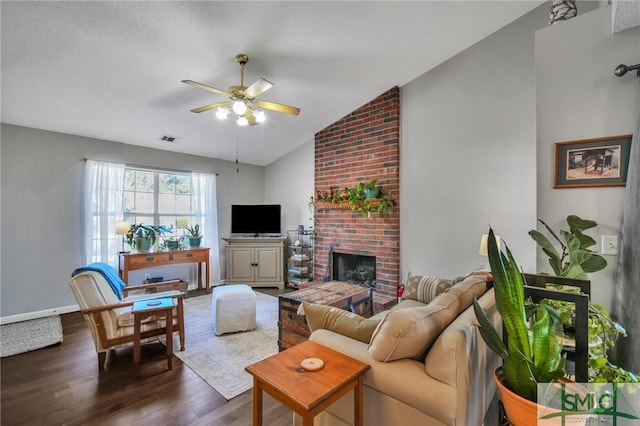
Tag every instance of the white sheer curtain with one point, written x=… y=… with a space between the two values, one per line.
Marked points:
x=103 y=193
x=206 y=207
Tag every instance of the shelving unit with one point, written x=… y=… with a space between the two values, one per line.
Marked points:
x=299 y=257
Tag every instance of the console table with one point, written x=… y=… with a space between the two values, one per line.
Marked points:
x=133 y=261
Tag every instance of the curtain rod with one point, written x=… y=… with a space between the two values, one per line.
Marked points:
x=140 y=166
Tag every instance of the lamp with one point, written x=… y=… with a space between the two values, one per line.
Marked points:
x=483 y=251
x=122 y=228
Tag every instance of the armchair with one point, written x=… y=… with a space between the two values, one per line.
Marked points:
x=110 y=319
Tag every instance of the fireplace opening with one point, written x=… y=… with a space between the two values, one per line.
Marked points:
x=354 y=268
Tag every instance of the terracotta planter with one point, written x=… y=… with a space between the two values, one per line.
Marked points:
x=522 y=412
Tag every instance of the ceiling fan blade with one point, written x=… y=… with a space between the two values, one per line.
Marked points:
x=209 y=107
x=205 y=87
x=278 y=107
x=258 y=87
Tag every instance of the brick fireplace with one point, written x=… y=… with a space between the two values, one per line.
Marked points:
x=360 y=147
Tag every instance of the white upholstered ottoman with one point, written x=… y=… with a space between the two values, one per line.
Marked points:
x=233 y=308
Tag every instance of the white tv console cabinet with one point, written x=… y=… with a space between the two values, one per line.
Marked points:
x=256 y=261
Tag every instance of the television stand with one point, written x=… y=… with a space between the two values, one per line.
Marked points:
x=256 y=261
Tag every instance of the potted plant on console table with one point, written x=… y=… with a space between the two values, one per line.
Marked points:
x=142 y=237
x=531 y=355
x=193 y=233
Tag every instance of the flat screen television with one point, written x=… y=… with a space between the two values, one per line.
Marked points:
x=255 y=219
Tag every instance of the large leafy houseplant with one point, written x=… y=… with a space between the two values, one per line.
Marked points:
x=575 y=260
x=531 y=355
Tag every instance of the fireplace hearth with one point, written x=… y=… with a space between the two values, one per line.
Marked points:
x=354 y=269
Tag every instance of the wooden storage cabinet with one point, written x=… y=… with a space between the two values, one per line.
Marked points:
x=293 y=329
x=255 y=261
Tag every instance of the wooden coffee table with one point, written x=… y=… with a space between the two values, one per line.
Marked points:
x=307 y=393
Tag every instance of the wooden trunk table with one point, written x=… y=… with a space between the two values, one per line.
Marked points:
x=293 y=329
x=308 y=393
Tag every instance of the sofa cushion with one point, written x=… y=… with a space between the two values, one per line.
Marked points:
x=424 y=288
x=409 y=333
x=340 y=321
x=473 y=285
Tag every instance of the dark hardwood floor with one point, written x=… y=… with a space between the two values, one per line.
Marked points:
x=60 y=385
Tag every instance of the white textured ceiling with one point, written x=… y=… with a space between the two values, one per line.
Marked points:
x=112 y=70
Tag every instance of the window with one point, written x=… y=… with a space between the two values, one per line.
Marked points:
x=160 y=198
x=175 y=200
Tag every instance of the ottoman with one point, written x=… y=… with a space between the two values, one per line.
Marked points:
x=233 y=308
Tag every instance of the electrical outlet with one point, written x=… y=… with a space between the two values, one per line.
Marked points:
x=610 y=244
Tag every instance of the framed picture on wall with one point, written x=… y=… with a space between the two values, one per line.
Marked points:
x=592 y=162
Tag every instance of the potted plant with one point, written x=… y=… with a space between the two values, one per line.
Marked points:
x=142 y=237
x=193 y=233
x=172 y=243
x=531 y=355
x=576 y=260
x=369 y=197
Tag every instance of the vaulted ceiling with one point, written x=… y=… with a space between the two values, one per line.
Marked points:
x=113 y=70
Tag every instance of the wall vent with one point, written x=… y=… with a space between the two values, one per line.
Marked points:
x=169 y=138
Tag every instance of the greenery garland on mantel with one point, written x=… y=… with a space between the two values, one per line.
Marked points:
x=366 y=197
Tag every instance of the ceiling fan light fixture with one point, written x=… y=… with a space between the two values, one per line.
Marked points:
x=222 y=112
x=260 y=116
x=239 y=107
x=242 y=121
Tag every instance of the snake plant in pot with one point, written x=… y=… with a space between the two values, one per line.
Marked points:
x=194 y=235
x=531 y=354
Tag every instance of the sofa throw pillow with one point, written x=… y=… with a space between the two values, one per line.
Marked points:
x=340 y=321
x=465 y=290
x=424 y=288
x=410 y=332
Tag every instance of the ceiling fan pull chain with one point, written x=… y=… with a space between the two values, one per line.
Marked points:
x=237 y=167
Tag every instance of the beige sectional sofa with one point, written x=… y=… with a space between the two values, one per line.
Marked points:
x=429 y=364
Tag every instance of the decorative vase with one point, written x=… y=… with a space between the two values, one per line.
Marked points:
x=172 y=245
x=194 y=241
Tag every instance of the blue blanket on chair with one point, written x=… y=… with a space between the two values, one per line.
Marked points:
x=109 y=274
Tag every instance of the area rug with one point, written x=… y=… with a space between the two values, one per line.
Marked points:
x=220 y=360
x=25 y=336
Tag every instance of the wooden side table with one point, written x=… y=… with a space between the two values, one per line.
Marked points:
x=144 y=309
x=308 y=393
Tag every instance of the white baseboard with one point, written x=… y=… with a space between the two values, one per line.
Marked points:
x=38 y=314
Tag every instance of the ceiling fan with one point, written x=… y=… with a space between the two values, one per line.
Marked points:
x=242 y=100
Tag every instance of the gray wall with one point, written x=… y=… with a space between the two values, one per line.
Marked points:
x=468 y=154
x=289 y=182
x=578 y=97
x=41 y=213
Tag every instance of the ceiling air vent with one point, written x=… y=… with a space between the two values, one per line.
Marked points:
x=172 y=139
